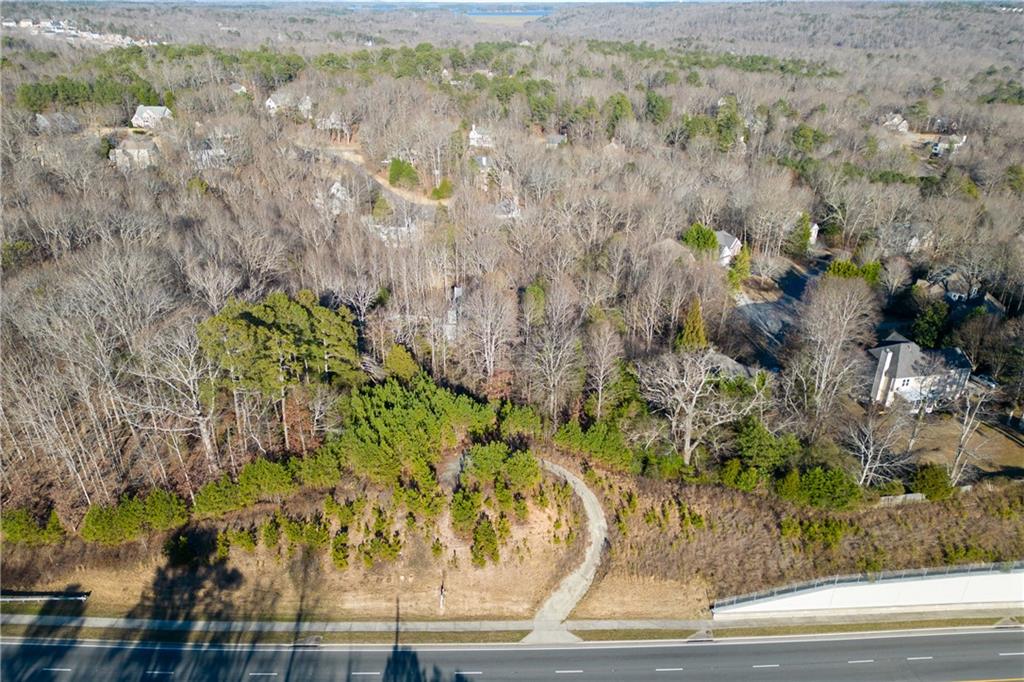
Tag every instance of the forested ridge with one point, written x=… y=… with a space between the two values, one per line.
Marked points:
x=356 y=284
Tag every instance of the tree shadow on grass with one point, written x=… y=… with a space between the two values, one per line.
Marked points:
x=193 y=586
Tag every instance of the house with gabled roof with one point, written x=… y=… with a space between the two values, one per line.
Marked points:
x=150 y=117
x=920 y=377
x=729 y=247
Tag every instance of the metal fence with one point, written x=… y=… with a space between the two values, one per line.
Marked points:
x=57 y=596
x=881 y=576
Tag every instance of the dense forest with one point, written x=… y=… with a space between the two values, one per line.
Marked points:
x=348 y=260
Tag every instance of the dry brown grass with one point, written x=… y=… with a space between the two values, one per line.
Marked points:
x=136 y=580
x=662 y=569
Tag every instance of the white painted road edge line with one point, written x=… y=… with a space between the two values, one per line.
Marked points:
x=262 y=674
x=919 y=658
x=480 y=647
x=568 y=672
x=1013 y=653
x=766 y=665
x=862 y=660
x=668 y=670
x=57 y=670
x=365 y=673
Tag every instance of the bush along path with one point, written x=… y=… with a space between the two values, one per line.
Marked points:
x=549 y=622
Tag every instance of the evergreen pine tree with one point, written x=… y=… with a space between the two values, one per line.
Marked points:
x=693 y=337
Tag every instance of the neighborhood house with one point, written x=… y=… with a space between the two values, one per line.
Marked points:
x=480 y=138
x=920 y=377
x=728 y=247
x=134 y=153
x=150 y=117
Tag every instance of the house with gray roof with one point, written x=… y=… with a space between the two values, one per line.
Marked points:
x=150 y=117
x=918 y=376
x=729 y=247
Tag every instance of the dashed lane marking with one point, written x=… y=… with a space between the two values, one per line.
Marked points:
x=766 y=665
x=57 y=670
x=862 y=660
x=919 y=658
x=668 y=670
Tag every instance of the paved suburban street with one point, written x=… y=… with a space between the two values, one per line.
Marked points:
x=947 y=657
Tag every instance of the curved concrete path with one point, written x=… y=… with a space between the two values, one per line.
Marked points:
x=548 y=623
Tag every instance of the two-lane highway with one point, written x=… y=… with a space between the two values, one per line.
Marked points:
x=935 y=657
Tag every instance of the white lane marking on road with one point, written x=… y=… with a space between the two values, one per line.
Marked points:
x=766 y=665
x=862 y=660
x=568 y=672
x=159 y=672
x=57 y=670
x=1013 y=653
x=919 y=658
x=668 y=670
x=365 y=673
x=445 y=648
x=262 y=674
x=469 y=672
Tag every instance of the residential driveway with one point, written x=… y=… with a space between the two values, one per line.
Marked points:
x=548 y=622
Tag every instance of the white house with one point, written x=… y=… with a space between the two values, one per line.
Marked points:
x=920 y=377
x=480 y=138
x=150 y=117
x=134 y=153
x=728 y=247
x=948 y=144
x=285 y=100
x=335 y=201
x=555 y=140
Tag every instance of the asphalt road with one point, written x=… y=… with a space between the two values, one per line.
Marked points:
x=991 y=655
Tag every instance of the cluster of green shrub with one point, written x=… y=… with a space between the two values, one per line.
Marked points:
x=243 y=538
x=130 y=517
x=402 y=174
x=766 y=458
x=807 y=139
x=870 y=272
x=21 y=527
x=380 y=543
x=726 y=128
x=690 y=59
x=71 y=92
x=826 y=532
x=1004 y=92
x=819 y=487
x=603 y=442
x=275 y=344
x=396 y=432
x=485 y=542
x=258 y=481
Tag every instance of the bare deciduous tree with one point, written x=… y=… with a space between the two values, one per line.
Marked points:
x=687 y=389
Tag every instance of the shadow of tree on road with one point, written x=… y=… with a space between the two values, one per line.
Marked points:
x=20 y=667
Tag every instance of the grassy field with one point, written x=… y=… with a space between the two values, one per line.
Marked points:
x=825 y=628
x=627 y=635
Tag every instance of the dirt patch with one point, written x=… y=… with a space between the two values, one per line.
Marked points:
x=618 y=596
